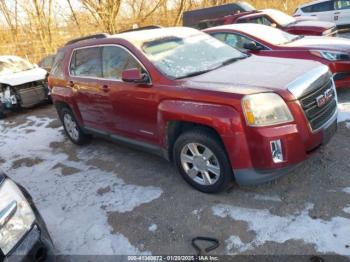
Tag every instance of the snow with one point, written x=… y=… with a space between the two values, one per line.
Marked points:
x=74 y=211
x=326 y=235
x=344 y=113
x=153 y=227
x=347 y=209
x=273 y=198
x=347 y=190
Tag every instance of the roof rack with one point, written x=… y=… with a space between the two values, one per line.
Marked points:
x=96 y=36
x=143 y=28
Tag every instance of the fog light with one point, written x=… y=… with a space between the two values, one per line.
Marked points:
x=276 y=151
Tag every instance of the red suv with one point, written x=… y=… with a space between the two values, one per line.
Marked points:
x=217 y=113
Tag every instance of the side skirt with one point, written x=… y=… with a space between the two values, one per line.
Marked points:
x=142 y=146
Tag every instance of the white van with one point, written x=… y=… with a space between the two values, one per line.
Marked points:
x=337 y=11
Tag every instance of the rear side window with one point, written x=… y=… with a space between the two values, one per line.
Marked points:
x=57 y=66
x=87 y=62
x=320 y=7
x=342 y=4
x=115 y=61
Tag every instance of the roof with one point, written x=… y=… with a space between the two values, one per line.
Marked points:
x=139 y=37
x=5 y=58
x=248 y=28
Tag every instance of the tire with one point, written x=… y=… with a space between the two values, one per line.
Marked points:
x=72 y=128
x=202 y=161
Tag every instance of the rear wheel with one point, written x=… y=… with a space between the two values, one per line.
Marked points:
x=72 y=128
x=202 y=161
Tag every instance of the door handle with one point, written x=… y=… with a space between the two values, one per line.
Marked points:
x=71 y=84
x=105 y=88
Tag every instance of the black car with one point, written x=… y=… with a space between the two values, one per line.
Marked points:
x=23 y=233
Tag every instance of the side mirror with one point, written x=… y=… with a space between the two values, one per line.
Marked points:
x=251 y=46
x=134 y=75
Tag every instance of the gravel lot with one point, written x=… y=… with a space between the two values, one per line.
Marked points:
x=106 y=198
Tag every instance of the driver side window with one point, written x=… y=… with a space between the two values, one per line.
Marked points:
x=115 y=60
x=261 y=20
x=235 y=40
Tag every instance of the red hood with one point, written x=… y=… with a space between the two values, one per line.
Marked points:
x=254 y=74
x=323 y=43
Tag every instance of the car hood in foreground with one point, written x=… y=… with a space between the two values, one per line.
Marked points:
x=254 y=75
x=321 y=42
x=23 y=77
x=311 y=23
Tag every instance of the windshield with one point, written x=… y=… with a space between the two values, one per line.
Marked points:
x=11 y=65
x=280 y=17
x=179 y=57
x=271 y=35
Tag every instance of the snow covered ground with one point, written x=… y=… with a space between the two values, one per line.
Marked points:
x=91 y=209
x=70 y=205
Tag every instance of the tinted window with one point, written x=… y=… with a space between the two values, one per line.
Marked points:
x=87 y=62
x=237 y=41
x=116 y=60
x=321 y=7
x=57 y=66
x=342 y=4
x=261 y=20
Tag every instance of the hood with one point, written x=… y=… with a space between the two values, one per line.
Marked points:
x=306 y=18
x=311 y=23
x=23 y=77
x=254 y=74
x=321 y=42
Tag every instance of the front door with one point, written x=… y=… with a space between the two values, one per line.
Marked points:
x=134 y=105
x=342 y=12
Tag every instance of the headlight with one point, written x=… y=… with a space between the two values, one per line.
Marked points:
x=16 y=216
x=265 y=109
x=331 y=55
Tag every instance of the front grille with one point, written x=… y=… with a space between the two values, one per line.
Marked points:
x=318 y=116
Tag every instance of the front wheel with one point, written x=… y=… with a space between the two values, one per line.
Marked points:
x=202 y=161
x=73 y=130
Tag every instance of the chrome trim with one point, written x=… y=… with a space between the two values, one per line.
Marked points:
x=101 y=78
x=7 y=213
x=306 y=82
x=330 y=120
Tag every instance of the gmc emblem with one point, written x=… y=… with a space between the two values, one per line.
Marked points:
x=325 y=98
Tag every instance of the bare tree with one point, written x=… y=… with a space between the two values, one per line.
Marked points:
x=104 y=12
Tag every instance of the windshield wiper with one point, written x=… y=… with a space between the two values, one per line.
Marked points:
x=226 y=62
x=232 y=60
x=197 y=73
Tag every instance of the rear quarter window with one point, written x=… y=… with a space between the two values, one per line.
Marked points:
x=57 y=65
x=320 y=7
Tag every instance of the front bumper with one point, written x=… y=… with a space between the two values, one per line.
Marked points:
x=36 y=245
x=294 y=152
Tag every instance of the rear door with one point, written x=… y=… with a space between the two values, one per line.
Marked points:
x=91 y=96
x=342 y=12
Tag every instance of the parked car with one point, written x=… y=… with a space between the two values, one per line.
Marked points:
x=268 y=41
x=22 y=84
x=336 y=11
x=270 y=17
x=46 y=62
x=214 y=111
x=23 y=233
x=194 y=18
